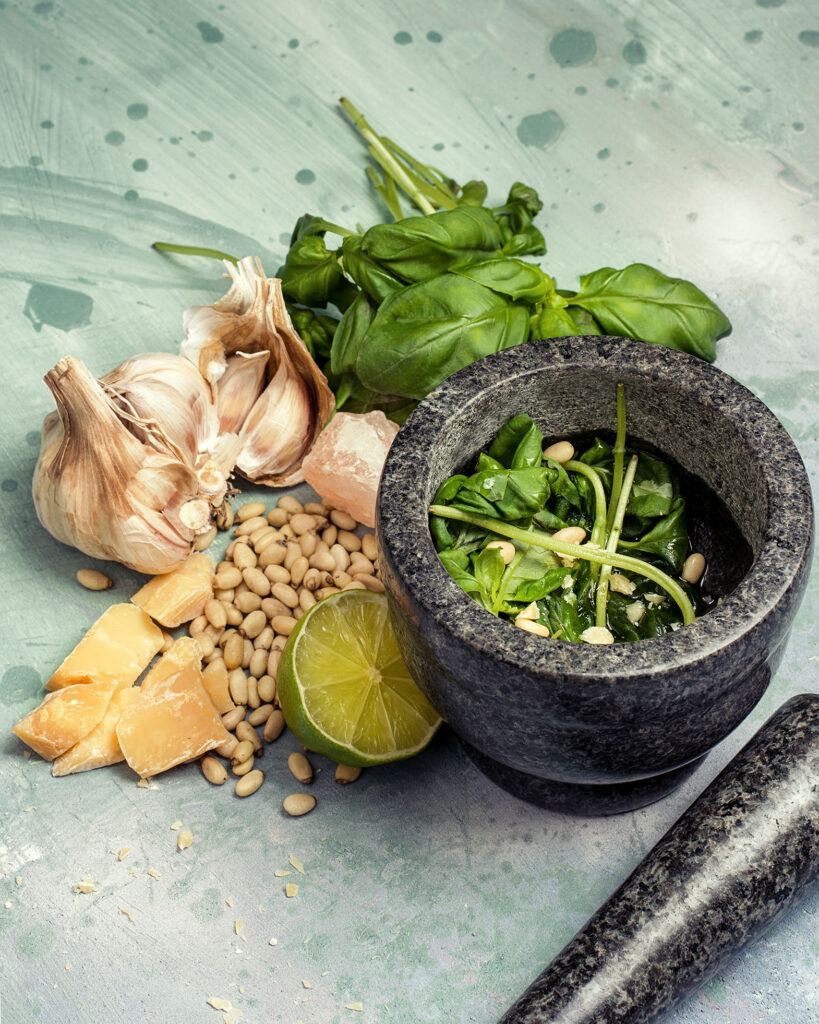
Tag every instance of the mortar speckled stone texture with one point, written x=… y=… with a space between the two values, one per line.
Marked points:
x=579 y=727
x=743 y=855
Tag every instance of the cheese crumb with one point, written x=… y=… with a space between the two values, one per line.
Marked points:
x=219 y=1004
x=85 y=885
x=597 y=635
x=232 y=1016
x=281 y=873
x=142 y=784
x=123 y=853
x=18 y=880
x=153 y=873
x=273 y=942
x=229 y=900
x=238 y=925
x=305 y=983
x=354 y=1006
x=297 y=864
x=128 y=914
x=176 y=826
x=184 y=839
x=291 y=890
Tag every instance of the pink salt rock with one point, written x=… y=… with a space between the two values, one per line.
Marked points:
x=345 y=463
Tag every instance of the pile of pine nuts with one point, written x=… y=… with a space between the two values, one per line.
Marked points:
x=278 y=565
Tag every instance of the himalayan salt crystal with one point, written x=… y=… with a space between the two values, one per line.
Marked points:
x=345 y=463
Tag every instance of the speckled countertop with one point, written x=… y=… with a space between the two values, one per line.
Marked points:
x=682 y=134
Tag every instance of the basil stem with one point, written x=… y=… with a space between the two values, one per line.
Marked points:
x=619 y=453
x=598 y=533
x=194 y=250
x=539 y=539
x=602 y=595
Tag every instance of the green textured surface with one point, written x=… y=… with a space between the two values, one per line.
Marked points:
x=679 y=134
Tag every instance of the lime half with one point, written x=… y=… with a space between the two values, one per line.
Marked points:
x=344 y=688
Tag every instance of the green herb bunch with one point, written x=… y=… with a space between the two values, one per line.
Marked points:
x=391 y=311
x=626 y=579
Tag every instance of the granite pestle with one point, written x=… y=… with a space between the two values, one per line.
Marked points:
x=738 y=859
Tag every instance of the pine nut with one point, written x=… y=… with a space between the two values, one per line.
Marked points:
x=693 y=568
x=531 y=612
x=298 y=569
x=298 y=612
x=197 y=625
x=298 y=803
x=245 y=731
x=93 y=579
x=286 y=594
x=570 y=535
x=341 y=578
x=229 y=549
x=233 y=614
x=230 y=719
x=301 y=523
x=237 y=685
x=277 y=516
x=274 y=726
x=284 y=624
x=249 y=510
x=215 y=613
x=306 y=599
x=249 y=526
x=260 y=714
x=293 y=552
x=253 y=623
x=244 y=767
x=272 y=607
x=315 y=508
x=227 y=578
x=311 y=579
x=322 y=560
x=597 y=635
x=277 y=573
x=224 y=595
x=354 y=585
x=329 y=535
x=506 y=548
x=287 y=532
x=167 y=642
x=228 y=633
x=264 y=639
x=257 y=581
x=560 y=451
x=233 y=651
x=213 y=770
x=260 y=536
x=273 y=554
x=204 y=540
x=326 y=592
x=347 y=773
x=530 y=626
x=226 y=749
x=273 y=660
x=343 y=520
x=300 y=767
x=349 y=541
x=358 y=563
x=308 y=543
x=340 y=556
x=253 y=692
x=369 y=546
x=290 y=504
x=248 y=602
x=205 y=644
x=247 y=652
x=244 y=557
x=250 y=783
x=267 y=689
x=258 y=663
x=243 y=751
x=370 y=582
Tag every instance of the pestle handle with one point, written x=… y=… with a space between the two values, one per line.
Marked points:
x=742 y=855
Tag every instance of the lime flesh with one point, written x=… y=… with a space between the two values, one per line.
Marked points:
x=344 y=688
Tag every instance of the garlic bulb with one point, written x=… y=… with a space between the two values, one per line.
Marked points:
x=286 y=418
x=99 y=487
x=239 y=387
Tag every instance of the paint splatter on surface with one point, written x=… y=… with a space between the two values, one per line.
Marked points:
x=402 y=38
x=305 y=176
x=573 y=47
x=540 y=130
x=137 y=111
x=209 y=33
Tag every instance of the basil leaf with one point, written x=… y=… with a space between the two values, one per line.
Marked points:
x=473 y=193
x=553 y=322
x=515 y=278
x=424 y=333
x=367 y=273
x=667 y=539
x=642 y=302
x=583 y=320
x=350 y=333
x=653 y=489
x=311 y=272
x=512 y=493
x=536 y=590
x=518 y=443
x=316 y=330
x=419 y=248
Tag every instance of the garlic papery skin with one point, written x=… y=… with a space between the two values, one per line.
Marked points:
x=169 y=401
x=252 y=318
x=99 y=488
x=239 y=387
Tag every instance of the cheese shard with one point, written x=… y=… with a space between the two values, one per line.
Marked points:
x=64 y=718
x=178 y=596
x=215 y=681
x=101 y=746
x=117 y=648
x=171 y=722
x=183 y=654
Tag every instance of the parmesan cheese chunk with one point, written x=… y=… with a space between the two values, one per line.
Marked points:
x=117 y=648
x=178 y=596
x=100 y=747
x=64 y=718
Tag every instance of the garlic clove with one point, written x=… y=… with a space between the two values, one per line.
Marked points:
x=242 y=383
x=278 y=430
x=101 y=489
